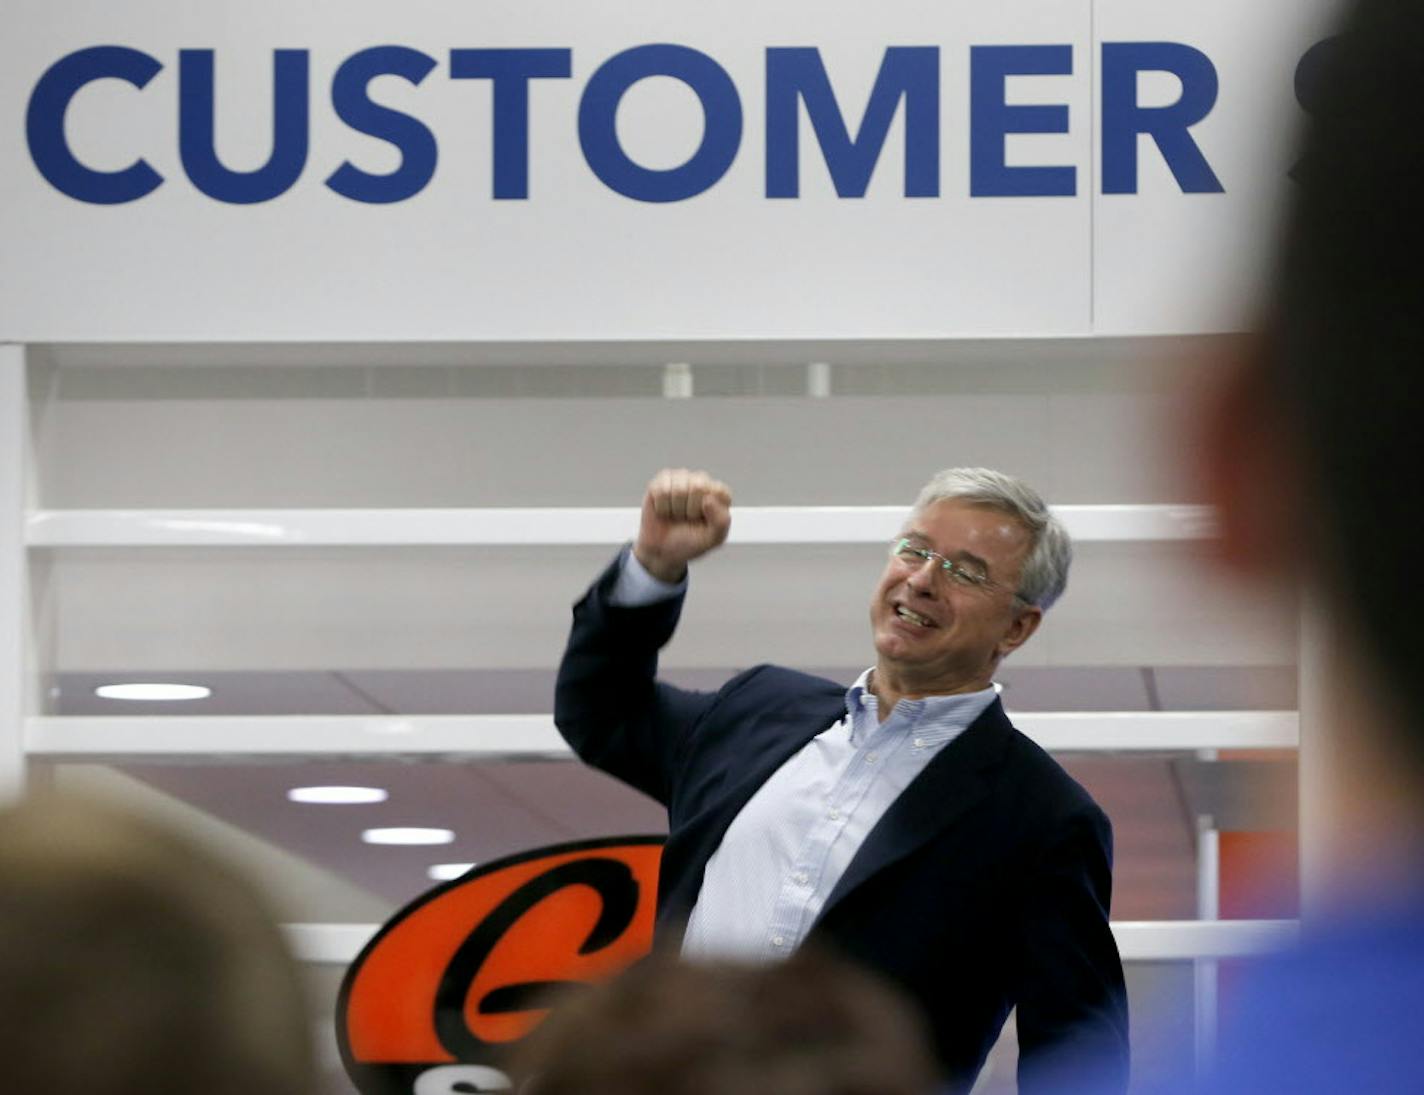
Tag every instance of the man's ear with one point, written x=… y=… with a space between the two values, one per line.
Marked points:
x=1023 y=627
x=1247 y=464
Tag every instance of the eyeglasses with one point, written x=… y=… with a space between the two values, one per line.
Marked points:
x=905 y=551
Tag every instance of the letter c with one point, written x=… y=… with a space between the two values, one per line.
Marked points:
x=617 y=890
x=44 y=125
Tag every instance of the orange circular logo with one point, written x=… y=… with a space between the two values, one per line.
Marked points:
x=461 y=972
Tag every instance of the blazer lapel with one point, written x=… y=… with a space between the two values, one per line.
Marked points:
x=802 y=722
x=698 y=840
x=956 y=779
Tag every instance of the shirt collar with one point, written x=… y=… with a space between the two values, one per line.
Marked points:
x=936 y=719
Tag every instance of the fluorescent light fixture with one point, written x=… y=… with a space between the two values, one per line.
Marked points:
x=151 y=692
x=444 y=872
x=337 y=796
x=411 y=835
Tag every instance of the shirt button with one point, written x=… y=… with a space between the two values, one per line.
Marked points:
x=778 y=941
x=833 y=814
x=919 y=743
x=871 y=758
x=800 y=878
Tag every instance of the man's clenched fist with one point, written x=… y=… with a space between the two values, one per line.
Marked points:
x=685 y=514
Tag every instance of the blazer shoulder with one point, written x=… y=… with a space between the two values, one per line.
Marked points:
x=769 y=686
x=1049 y=782
x=761 y=697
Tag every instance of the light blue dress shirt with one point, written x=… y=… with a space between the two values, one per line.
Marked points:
x=783 y=854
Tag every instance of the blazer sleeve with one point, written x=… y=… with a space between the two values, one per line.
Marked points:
x=1072 y=1001
x=609 y=705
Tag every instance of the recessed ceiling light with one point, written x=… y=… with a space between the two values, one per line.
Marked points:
x=333 y=796
x=153 y=691
x=408 y=836
x=444 y=872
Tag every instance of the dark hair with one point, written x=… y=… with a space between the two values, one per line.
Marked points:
x=809 y=1026
x=1348 y=330
x=132 y=962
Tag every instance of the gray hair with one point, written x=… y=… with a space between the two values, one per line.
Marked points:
x=1045 y=568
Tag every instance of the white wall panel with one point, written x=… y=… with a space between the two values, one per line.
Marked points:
x=503 y=607
x=593 y=452
x=474 y=452
x=16 y=639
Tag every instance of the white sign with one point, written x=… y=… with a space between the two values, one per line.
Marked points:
x=639 y=169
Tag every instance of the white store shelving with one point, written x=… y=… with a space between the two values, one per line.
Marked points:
x=495 y=737
x=545 y=526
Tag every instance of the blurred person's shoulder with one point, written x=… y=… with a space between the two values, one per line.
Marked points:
x=1340 y=1013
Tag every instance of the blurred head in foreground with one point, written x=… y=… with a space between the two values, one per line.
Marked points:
x=1312 y=450
x=133 y=963
x=808 y=1026
x=1315 y=443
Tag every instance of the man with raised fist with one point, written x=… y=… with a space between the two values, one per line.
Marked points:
x=902 y=822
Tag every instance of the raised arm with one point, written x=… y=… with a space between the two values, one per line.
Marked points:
x=608 y=704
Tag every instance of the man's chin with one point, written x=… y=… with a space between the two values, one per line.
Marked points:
x=896 y=649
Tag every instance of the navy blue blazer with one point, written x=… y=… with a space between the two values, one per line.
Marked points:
x=984 y=887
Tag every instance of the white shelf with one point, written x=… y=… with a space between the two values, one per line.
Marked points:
x=496 y=737
x=294 y=736
x=1146 y=731
x=1175 y=940
x=1137 y=940
x=546 y=526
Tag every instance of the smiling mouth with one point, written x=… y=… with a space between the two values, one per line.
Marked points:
x=913 y=617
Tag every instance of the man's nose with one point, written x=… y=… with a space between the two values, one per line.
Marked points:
x=922 y=578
